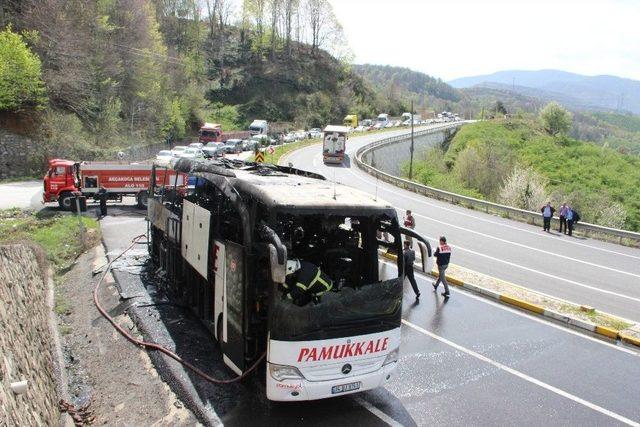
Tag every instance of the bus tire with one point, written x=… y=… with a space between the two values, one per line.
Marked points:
x=219 y=331
x=64 y=201
x=142 y=199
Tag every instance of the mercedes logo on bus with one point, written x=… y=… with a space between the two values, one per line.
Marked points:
x=346 y=369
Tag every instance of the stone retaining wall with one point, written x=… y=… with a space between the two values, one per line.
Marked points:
x=26 y=351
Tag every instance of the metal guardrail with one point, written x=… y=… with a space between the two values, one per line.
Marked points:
x=583 y=228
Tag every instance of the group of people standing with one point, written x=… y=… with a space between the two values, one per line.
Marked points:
x=568 y=217
x=442 y=255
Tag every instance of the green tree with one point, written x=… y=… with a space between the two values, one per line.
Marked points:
x=20 y=74
x=555 y=119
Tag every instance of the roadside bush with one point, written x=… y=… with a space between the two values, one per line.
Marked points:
x=524 y=188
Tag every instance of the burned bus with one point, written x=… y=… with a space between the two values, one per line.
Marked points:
x=224 y=245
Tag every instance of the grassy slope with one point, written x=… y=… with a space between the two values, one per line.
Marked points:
x=582 y=172
x=58 y=235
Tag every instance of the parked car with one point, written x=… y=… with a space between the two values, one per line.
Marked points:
x=360 y=129
x=290 y=137
x=300 y=135
x=196 y=145
x=164 y=155
x=315 y=133
x=177 y=150
x=213 y=149
x=192 y=153
x=233 y=146
x=378 y=126
x=249 y=145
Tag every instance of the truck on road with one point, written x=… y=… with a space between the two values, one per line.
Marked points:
x=212 y=132
x=65 y=178
x=334 y=144
x=351 y=121
x=227 y=248
x=259 y=127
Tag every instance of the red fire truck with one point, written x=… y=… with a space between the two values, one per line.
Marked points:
x=212 y=132
x=119 y=179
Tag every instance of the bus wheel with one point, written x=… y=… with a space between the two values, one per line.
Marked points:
x=64 y=201
x=219 y=331
x=143 y=199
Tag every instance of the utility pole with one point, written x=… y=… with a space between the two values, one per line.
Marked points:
x=411 y=149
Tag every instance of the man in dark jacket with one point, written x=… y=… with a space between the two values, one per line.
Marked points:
x=572 y=219
x=443 y=256
x=409 y=256
x=547 y=213
x=102 y=196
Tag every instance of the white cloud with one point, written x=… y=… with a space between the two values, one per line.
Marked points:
x=450 y=39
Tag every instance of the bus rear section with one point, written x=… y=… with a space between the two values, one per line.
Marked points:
x=225 y=245
x=334 y=144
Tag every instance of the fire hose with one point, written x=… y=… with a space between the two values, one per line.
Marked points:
x=153 y=346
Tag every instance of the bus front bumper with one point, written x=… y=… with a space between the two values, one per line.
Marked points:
x=302 y=389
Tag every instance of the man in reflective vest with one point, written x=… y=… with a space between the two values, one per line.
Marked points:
x=442 y=255
x=309 y=282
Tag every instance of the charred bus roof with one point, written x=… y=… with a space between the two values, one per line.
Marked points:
x=284 y=188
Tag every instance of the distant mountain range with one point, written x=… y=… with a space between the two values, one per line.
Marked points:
x=604 y=92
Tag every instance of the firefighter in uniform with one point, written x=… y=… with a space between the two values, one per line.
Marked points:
x=305 y=282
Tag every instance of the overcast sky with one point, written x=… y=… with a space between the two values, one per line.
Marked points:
x=457 y=38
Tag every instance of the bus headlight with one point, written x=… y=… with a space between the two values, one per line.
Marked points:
x=284 y=372
x=392 y=356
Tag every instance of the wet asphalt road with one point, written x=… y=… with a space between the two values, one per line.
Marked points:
x=467 y=361
x=585 y=271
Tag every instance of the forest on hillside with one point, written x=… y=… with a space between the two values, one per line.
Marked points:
x=113 y=73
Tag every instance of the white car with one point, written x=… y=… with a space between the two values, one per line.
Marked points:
x=192 y=153
x=379 y=125
x=315 y=133
x=164 y=155
x=290 y=137
x=196 y=145
x=300 y=135
x=178 y=150
x=360 y=129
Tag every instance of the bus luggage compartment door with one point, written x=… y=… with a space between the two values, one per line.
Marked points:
x=234 y=308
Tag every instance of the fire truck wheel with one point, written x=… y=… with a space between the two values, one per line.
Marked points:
x=64 y=201
x=143 y=199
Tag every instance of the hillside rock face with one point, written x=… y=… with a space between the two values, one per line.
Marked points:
x=25 y=341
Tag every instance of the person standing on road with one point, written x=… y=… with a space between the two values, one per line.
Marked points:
x=102 y=196
x=409 y=257
x=410 y=223
x=443 y=256
x=572 y=219
x=563 y=218
x=547 y=213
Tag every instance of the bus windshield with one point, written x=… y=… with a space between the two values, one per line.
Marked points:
x=345 y=248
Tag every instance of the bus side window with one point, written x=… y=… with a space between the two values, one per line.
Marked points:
x=230 y=223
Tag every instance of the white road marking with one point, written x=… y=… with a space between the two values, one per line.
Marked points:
x=524 y=376
x=488 y=236
x=419 y=200
x=529 y=316
x=377 y=412
x=573 y=282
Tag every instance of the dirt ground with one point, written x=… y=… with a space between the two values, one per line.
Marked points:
x=116 y=378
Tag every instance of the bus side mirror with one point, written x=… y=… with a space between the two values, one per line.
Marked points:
x=278 y=270
x=424 y=255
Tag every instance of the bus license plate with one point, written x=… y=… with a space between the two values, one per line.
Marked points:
x=342 y=388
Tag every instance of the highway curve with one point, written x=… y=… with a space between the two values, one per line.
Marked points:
x=585 y=271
